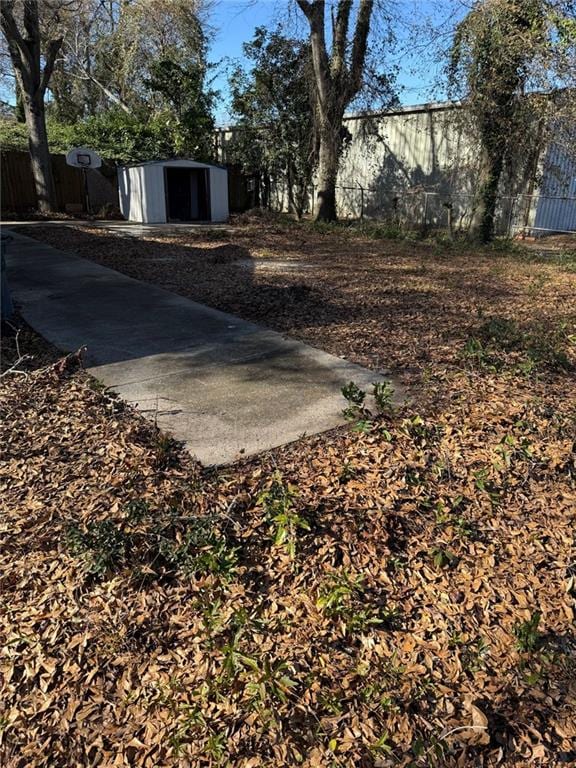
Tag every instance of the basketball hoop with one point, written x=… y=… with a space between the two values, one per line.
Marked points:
x=84 y=158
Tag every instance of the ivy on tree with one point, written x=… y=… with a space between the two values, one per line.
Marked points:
x=512 y=62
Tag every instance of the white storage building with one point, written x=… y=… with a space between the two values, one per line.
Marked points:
x=173 y=191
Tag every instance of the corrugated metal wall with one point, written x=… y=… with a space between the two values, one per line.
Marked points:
x=409 y=164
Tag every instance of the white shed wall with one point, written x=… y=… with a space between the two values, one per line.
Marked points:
x=153 y=195
x=123 y=192
x=219 y=194
x=132 y=189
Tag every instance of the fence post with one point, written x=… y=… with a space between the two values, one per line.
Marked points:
x=361 y=202
x=512 y=199
x=425 y=212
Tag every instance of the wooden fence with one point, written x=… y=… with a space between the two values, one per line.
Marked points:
x=18 y=192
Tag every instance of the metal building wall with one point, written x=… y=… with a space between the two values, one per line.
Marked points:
x=412 y=163
x=556 y=207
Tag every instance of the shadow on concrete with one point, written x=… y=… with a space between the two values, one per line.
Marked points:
x=222 y=385
x=291 y=293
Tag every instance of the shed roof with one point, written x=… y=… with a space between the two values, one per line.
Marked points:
x=176 y=161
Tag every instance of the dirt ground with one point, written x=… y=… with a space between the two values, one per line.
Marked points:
x=399 y=592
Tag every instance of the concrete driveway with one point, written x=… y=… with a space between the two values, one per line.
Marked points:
x=226 y=387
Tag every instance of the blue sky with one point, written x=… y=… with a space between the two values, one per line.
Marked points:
x=233 y=23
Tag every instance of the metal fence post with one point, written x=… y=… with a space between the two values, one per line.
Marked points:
x=425 y=212
x=361 y=202
x=512 y=199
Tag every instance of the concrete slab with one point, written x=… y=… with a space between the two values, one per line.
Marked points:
x=124 y=228
x=226 y=387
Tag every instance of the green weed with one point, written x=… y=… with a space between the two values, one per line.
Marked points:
x=200 y=550
x=501 y=332
x=442 y=558
x=152 y=545
x=271 y=683
x=377 y=695
x=528 y=638
x=539 y=345
x=137 y=511
x=278 y=503
x=474 y=655
x=363 y=426
x=380 y=746
x=342 y=596
x=102 y=546
x=355 y=397
x=478 y=356
x=348 y=472
x=166 y=451
x=383 y=396
x=485 y=485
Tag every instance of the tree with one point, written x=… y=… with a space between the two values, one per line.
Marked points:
x=33 y=48
x=108 y=49
x=337 y=78
x=275 y=123
x=189 y=118
x=507 y=59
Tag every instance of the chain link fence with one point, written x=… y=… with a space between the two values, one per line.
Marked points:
x=520 y=214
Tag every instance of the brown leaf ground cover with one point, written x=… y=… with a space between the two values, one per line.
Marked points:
x=401 y=592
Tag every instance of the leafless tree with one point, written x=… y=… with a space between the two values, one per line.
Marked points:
x=338 y=75
x=33 y=43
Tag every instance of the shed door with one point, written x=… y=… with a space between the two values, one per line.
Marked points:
x=187 y=194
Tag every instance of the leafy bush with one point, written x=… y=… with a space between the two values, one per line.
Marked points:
x=14 y=136
x=130 y=138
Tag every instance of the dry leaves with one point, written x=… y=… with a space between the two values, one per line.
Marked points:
x=149 y=619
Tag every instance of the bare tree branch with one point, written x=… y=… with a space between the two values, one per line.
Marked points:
x=305 y=7
x=340 y=35
x=83 y=74
x=50 y=59
x=12 y=34
x=359 y=47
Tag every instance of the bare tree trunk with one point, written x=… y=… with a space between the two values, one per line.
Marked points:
x=40 y=154
x=328 y=160
x=337 y=78
x=33 y=68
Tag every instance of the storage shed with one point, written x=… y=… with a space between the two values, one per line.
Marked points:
x=163 y=191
